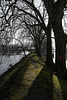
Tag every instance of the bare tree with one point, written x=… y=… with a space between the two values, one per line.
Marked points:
x=21 y=8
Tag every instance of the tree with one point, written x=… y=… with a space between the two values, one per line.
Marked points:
x=35 y=32
x=24 y=9
x=56 y=24
x=47 y=30
x=56 y=14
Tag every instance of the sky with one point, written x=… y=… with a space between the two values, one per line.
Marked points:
x=64 y=23
x=37 y=2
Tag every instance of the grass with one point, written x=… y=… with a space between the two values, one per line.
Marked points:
x=30 y=79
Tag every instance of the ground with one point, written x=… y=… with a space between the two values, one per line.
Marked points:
x=30 y=79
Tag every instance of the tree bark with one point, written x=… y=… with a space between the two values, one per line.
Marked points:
x=56 y=14
x=49 y=60
x=60 y=46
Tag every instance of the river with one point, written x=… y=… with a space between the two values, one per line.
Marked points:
x=7 y=61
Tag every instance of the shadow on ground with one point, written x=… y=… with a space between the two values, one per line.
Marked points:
x=12 y=85
x=39 y=83
x=63 y=85
x=42 y=87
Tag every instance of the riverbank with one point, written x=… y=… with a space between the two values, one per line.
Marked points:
x=9 y=60
x=30 y=79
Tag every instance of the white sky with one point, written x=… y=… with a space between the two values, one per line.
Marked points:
x=37 y=2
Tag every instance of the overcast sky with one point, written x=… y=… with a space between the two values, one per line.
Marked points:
x=37 y=2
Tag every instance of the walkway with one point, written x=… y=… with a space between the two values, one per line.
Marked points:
x=32 y=81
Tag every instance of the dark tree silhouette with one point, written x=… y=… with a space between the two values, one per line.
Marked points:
x=55 y=15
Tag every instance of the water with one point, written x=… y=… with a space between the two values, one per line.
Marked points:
x=6 y=61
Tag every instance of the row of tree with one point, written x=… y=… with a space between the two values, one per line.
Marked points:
x=38 y=22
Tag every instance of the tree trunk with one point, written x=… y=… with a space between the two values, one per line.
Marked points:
x=49 y=60
x=57 y=16
x=55 y=12
x=60 y=46
x=37 y=51
x=60 y=54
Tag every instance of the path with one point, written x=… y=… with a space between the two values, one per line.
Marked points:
x=31 y=77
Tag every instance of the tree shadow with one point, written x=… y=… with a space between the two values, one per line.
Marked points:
x=13 y=84
x=42 y=87
x=63 y=84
